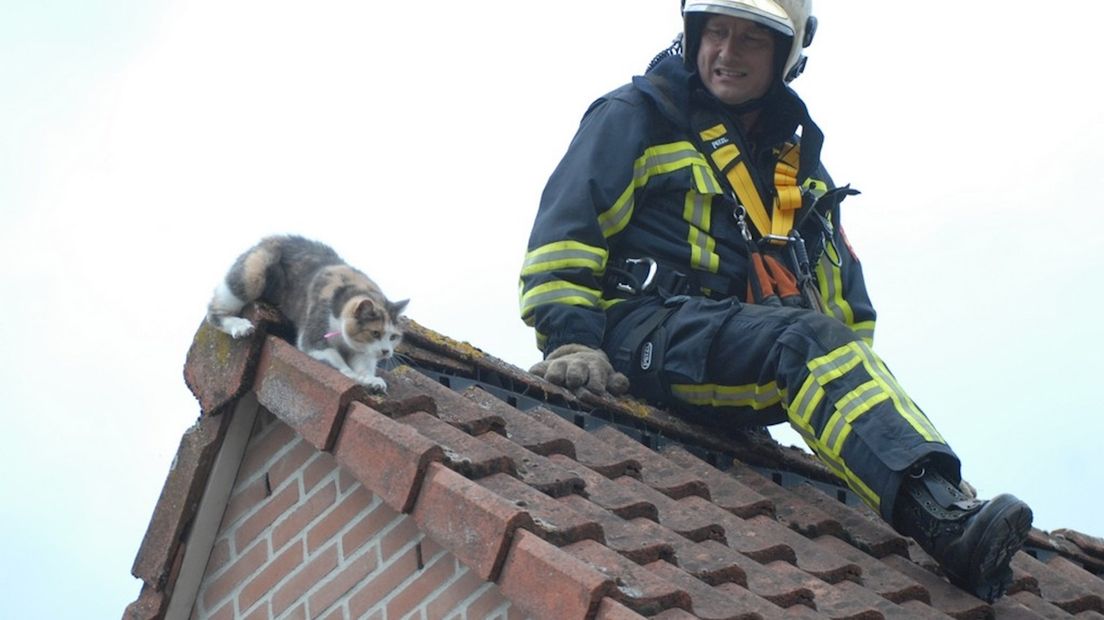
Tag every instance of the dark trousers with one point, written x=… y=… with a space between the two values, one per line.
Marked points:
x=729 y=363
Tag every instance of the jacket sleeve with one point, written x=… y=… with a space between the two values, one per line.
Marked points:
x=588 y=199
x=840 y=277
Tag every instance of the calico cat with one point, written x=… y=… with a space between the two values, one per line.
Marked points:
x=341 y=317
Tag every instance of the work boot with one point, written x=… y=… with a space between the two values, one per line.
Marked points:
x=972 y=540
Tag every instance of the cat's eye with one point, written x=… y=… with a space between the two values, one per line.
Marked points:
x=376 y=334
x=394 y=337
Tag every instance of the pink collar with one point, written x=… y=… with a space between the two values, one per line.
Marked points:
x=330 y=335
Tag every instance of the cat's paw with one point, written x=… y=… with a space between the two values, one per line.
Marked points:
x=372 y=382
x=237 y=327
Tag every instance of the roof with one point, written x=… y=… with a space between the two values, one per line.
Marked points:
x=588 y=507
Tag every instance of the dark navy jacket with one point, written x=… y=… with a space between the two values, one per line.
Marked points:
x=633 y=184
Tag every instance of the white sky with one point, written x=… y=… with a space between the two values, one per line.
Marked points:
x=146 y=143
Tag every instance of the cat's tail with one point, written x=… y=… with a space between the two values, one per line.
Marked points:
x=244 y=283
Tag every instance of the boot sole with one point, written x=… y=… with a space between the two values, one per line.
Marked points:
x=1003 y=537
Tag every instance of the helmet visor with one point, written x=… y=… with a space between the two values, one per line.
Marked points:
x=765 y=12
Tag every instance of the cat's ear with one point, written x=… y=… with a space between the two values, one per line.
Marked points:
x=396 y=308
x=366 y=310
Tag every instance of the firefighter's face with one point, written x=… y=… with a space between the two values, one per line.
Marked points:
x=736 y=59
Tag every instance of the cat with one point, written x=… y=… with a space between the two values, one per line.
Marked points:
x=340 y=315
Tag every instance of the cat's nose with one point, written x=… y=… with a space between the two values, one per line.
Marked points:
x=386 y=353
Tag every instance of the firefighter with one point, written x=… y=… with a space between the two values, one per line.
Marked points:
x=688 y=249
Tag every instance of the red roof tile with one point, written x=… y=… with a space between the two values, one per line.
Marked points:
x=628 y=517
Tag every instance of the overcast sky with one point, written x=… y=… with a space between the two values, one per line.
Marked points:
x=146 y=143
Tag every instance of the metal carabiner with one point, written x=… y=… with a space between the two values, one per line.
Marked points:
x=648 y=279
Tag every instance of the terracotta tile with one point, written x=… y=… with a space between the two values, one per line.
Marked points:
x=709 y=603
x=535 y=470
x=522 y=428
x=553 y=521
x=1092 y=545
x=726 y=491
x=693 y=517
x=809 y=557
x=778 y=582
x=304 y=393
x=636 y=539
x=868 y=533
x=637 y=588
x=791 y=509
x=612 y=610
x=589 y=451
x=616 y=498
x=472 y=522
x=546 y=582
x=656 y=471
x=917 y=609
x=150 y=605
x=850 y=600
x=1038 y=605
x=1008 y=608
x=674 y=614
x=945 y=597
x=1063 y=583
x=877 y=576
x=387 y=457
x=179 y=498
x=220 y=368
x=467 y=455
x=405 y=382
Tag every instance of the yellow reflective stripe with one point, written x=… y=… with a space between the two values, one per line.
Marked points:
x=807 y=400
x=901 y=401
x=711 y=395
x=816 y=187
x=656 y=160
x=698 y=211
x=849 y=408
x=564 y=255
x=830 y=279
x=558 y=292
x=713 y=132
x=864 y=330
x=835 y=463
x=834 y=364
x=705 y=181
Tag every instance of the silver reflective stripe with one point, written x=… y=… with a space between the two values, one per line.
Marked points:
x=859 y=402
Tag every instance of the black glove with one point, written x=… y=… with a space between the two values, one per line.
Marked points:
x=574 y=366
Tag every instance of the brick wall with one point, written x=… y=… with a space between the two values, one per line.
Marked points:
x=302 y=539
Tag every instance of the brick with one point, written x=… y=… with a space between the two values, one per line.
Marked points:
x=458 y=411
x=179 y=499
x=388 y=458
x=263 y=447
x=344 y=579
x=535 y=470
x=304 y=393
x=468 y=520
x=945 y=597
x=226 y=612
x=260 y=612
x=314 y=571
x=220 y=556
x=299 y=613
x=520 y=427
x=790 y=509
x=296 y=522
x=726 y=491
x=412 y=594
x=265 y=516
x=470 y=456
x=553 y=521
x=245 y=565
x=616 y=498
x=877 y=576
x=289 y=464
x=381 y=583
x=321 y=467
x=487 y=603
x=220 y=368
x=637 y=588
x=399 y=536
x=449 y=599
x=367 y=528
x=869 y=534
x=712 y=604
x=346 y=510
x=265 y=581
x=546 y=582
x=656 y=471
x=589 y=450
x=245 y=498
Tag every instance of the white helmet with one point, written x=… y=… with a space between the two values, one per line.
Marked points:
x=791 y=18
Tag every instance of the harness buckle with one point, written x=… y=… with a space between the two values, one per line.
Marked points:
x=649 y=279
